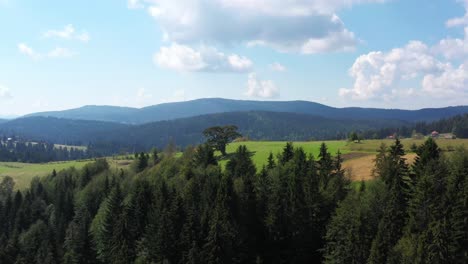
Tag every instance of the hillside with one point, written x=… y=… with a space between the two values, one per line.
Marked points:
x=171 y=111
x=255 y=125
x=57 y=130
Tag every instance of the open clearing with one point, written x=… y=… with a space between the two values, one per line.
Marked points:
x=358 y=157
x=23 y=173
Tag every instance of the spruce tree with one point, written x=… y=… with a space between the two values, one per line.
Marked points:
x=78 y=245
x=394 y=172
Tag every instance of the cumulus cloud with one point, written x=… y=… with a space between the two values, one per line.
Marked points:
x=376 y=74
x=451 y=83
x=205 y=59
x=68 y=32
x=440 y=71
x=261 y=88
x=55 y=53
x=5 y=92
x=459 y=21
x=277 y=67
x=302 y=26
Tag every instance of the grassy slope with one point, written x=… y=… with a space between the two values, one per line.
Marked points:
x=23 y=173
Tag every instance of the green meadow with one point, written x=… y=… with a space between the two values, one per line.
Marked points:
x=22 y=173
x=261 y=149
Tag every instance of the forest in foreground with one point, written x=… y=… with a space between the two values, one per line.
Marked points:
x=296 y=209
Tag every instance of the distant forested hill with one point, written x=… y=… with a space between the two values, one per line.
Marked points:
x=57 y=130
x=458 y=125
x=171 y=111
x=256 y=125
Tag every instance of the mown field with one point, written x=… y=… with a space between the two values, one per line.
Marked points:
x=358 y=157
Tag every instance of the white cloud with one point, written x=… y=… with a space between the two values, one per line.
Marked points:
x=5 y=92
x=297 y=7
x=459 y=21
x=440 y=71
x=451 y=83
x=68 y=32
x=55 y=53
x=379 y=74
x=261 y=88
x=276 y=66
x=28 y=51
x=335 y=41
x=207 y=59
x=453 y=48
x=302 y=26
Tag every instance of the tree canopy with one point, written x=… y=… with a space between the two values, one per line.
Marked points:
x=218 y=137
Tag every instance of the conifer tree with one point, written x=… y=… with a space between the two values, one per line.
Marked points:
x=288 y=153
x=220 y=245
x=107 y=228
x=79 y=246
x=271 y=162
x=204 y=156
x=394 y=173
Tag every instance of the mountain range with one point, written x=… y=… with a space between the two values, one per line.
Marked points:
x=171 y=111
x=118 y=128
x=257 y=125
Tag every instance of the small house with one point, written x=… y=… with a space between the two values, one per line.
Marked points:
x=435 y=134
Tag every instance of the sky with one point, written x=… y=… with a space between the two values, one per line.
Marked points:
x=57 y=54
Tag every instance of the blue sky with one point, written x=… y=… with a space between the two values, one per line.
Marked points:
x=372 y=53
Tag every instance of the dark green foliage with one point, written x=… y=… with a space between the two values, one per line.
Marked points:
x=24 y=151
x=218 y=137
x=141 y=161
x=6 y=187
x=79 y=246
x=204 y=156
x=457 y=125
x=287 y=155
x=353 y=227
x=295 y=210
x=394 y=173
x=104 y=139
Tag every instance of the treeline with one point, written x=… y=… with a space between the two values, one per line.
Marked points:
x=110 y=138
x=182 y=210
x=296 y=209
x=458 y=125
x=17 y=151
x=414 y=214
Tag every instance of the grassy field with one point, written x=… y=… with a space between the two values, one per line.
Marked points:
x=261 y=149
x=23 y=173
x=358 y=157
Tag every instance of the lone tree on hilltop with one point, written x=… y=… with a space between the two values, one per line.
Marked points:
x=218 y=137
